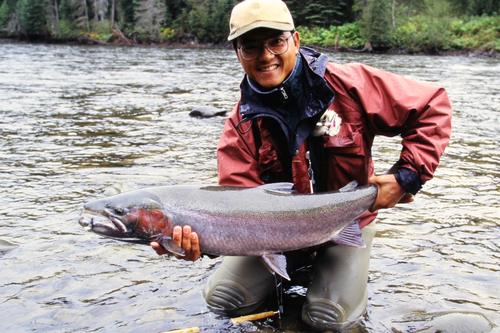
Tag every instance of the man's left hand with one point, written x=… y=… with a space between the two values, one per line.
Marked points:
x=389 y=192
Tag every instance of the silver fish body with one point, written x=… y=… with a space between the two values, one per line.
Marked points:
x=233 y=221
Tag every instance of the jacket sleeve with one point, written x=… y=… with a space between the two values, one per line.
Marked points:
x=237 y=154
x=395 y=105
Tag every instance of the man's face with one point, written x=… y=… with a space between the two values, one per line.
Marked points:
x=268 y=69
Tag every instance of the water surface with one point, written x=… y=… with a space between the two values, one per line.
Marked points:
x=79 y=121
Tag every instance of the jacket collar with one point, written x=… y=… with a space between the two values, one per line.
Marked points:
x=297 y=103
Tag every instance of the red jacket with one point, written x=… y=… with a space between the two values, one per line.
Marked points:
x=369 y=102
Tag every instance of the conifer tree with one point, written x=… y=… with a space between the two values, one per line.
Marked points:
x=32 y=18
x=6 y=10
x=174 y=9
x=321 y=13
x=377 y=23
x=150 y=18
x=484 y=7
x=128 y=14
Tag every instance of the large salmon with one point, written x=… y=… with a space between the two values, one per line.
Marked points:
x=260 y=221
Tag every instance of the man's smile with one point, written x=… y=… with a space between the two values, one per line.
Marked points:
x=269 y=68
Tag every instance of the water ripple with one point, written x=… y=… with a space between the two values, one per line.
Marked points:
x=78 y=121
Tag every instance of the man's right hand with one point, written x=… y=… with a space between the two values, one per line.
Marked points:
x=186 y=239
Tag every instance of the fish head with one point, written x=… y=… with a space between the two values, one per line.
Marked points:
x=130 y=217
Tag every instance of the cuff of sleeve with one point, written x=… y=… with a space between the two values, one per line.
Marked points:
x=409 y=180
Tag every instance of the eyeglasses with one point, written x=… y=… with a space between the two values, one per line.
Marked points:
x=276 y=45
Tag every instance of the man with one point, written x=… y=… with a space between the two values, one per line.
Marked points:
x=311 y=122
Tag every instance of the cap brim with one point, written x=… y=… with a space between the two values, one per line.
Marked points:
x=260 y=24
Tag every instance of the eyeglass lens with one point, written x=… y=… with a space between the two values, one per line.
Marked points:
x=276 y=45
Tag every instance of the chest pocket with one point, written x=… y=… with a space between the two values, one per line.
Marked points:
x=349 y=140
x=346 y=156
x=338 y=136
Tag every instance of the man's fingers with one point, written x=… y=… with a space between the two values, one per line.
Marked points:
x=195 y=247
x=186 y=238
x=374 y=180
x=177 y=235
x=195 y=244
x=194 y=240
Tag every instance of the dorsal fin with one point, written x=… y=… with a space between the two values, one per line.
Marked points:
x=349 y=187
x=277 y=188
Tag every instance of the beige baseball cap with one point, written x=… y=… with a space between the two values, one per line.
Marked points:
x=252 y=14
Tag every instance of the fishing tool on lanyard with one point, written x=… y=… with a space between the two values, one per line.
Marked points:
x=310 y=171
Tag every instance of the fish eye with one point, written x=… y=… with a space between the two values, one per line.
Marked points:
x=119 y=211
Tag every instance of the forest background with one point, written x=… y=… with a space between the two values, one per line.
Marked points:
x=410 y=26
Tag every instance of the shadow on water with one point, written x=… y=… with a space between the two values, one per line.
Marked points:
x=78 y=123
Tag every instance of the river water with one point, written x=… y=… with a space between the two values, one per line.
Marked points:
x=79 y=122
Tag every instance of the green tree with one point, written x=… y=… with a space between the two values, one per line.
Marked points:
x=81 y=14
x=32 y=18
x=173 y=10
x=206 y=20
x=6 y=10
x=66 y=10
x=484 y=7
x=459 y=7
x=321 y=13
x=437 y=13
x=128 y=14
x=150 y=18
x=219 y=20
x=52 y=16
x=377 y=23
x=197 y=18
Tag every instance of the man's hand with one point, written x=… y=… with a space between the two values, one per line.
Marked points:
x=184 y=238
x=389 y=192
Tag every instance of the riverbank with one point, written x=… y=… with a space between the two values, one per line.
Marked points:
x=427 y=35
x=479 y=52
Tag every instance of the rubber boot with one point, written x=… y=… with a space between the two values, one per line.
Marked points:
x=241 y=284
x=338 y=294
x=238 y=286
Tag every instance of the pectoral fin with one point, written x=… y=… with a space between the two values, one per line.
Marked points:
x=350 y=236
x=173 y=249
x=275 y=263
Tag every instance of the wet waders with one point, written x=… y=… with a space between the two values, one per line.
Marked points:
x=337 y=296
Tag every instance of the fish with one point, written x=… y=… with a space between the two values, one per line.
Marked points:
x=263 y=221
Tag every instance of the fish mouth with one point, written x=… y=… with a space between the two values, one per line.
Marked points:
x=105 y=225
